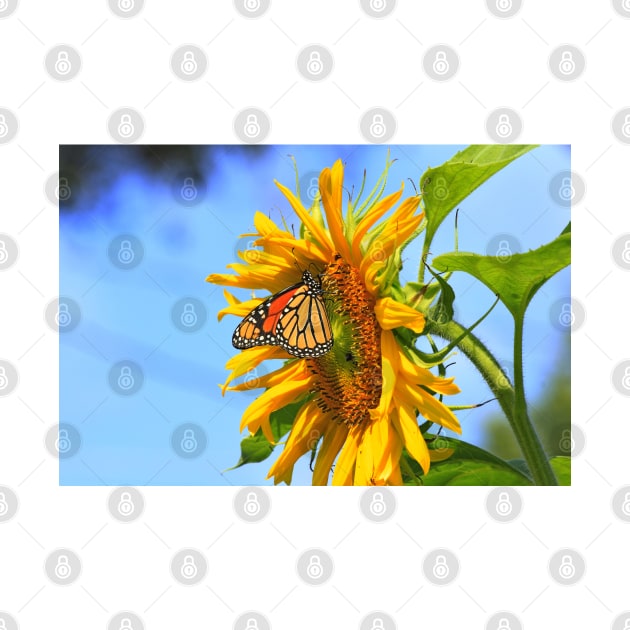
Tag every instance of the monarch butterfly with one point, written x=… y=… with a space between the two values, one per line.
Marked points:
x=295 y=318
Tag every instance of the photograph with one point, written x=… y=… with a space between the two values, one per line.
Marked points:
x=403 y=315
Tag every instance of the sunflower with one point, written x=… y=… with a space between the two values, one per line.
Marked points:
x=358 y=404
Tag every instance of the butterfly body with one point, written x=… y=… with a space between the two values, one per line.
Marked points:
x=294 y=318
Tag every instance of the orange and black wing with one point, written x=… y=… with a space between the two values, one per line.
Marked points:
x=294 y=319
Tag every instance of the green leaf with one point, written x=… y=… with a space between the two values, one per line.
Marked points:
x=442 y=312
x=562 y=467
x=420 y=295
x=515 y=279
x=520 y=464
x=254 y=449
x=282 y=420
x=446 y=186
x=468 y=466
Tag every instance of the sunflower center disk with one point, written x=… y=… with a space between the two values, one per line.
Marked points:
x=349 y=377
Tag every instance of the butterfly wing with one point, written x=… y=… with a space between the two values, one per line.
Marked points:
x=295 y=318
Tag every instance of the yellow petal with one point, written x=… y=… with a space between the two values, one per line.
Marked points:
x=364 y=468
x=249 y=359
x=256 y=416
x=344 y=468
x=307 y=428
x=238 y=308
x=300 y=251
x=331 y=189
x=431 y=408
x=387 y=455
x=293 y=370
x=369 y=220
x=418 y=375
x=266 y=226
x=334 y=439
x=319 y=234
x=392 y=314
x=407 y=426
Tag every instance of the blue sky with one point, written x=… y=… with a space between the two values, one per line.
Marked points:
x=127 y=313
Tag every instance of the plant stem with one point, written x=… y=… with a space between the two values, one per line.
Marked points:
x=515 y=412
x=521 y=424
